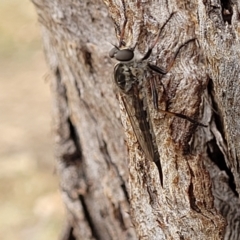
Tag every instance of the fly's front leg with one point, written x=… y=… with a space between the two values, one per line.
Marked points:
x=177 y=52
x=154 y=89
x=149 y=52
x=163 y=71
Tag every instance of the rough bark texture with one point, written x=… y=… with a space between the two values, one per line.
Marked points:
x=112 y=194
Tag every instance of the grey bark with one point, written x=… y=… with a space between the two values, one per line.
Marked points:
x=112 y=191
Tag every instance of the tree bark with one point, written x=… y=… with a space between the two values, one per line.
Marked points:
x=112 y=191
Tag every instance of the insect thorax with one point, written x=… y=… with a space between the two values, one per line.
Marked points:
x=127 y=74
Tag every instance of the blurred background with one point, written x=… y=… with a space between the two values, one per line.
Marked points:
x=30 y=203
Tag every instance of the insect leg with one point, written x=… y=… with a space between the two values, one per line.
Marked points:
x=121 y=41
x=148 y=53
x=155 y=104
x=157 y=69
x=165 y=71
x=180 y=115
x=154 y=92
x=177 y=52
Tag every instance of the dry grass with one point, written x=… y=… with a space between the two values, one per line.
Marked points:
x=30 y=203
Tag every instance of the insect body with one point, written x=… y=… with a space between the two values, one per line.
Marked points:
x=130 y=78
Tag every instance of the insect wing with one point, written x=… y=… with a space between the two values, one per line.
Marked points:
x=138 y=118
x=141 y=127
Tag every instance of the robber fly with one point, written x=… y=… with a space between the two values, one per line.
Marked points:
x=129 y=76
x=134 y=102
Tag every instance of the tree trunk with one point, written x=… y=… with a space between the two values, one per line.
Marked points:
x=116 y=192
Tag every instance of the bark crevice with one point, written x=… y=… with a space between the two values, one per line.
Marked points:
x=89 y=218
x=214 y=150
x=110 y=163
x=216 y=156
x=227 y=11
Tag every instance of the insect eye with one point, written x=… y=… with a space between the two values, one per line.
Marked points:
x=113 y=52
x=124 y=55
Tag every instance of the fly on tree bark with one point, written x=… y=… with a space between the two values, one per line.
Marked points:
x=130 y=77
